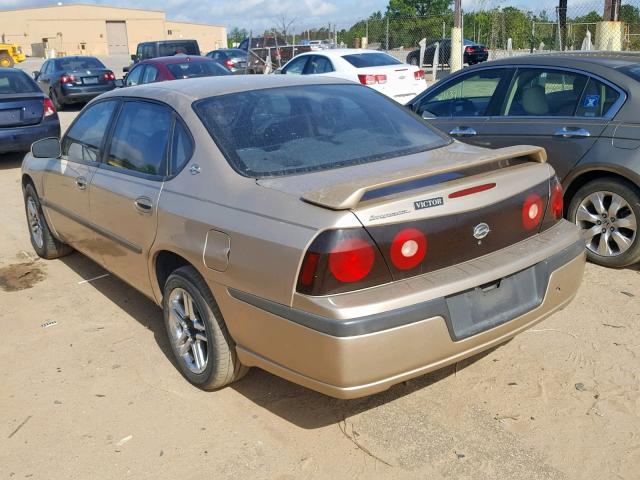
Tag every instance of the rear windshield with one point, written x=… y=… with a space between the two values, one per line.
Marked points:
x=633 y=71
x=288 y=130
x=173 y=48
x=197 y=69
x=71 y=64
x=364 y=60
x=235 y=52
x=16 y=82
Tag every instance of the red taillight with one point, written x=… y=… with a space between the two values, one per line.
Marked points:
x=229 y=63
x=109 y=76
x=49 y=109
x=372 y=79
x=351 y=260
x=485 y=49
x=67 y=79
x=557 y=202
x=418 y=75
x=532 y=212
x=308 y=270
x=408 y=248
x=472 y=190
x=468 y=50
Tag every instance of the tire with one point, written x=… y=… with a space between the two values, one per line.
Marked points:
x=59 y=106
x=42 y=240
x=608 y=212
x=6 y=61
x=188 y=330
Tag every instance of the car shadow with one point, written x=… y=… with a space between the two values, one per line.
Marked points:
x=10 y=161
x=298 y=405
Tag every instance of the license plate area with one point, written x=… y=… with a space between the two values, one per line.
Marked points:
x=10 y=117
x=490 y=305
x=90 y=80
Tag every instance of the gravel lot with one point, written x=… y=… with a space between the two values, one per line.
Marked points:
x=89 y=391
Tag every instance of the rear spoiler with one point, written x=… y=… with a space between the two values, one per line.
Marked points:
x=345 y=196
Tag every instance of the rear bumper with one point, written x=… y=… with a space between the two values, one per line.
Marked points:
x=353 y=357
x=71 y=94
x=19 y=139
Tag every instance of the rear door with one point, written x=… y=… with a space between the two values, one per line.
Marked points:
x=562 y=110
x=126 y=188
x=44 y=79
x=67 y=180
x=461 y=106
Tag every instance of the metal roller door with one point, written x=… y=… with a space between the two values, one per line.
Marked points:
x=117 y=38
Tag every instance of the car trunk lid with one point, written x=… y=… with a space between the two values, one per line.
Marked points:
x=89 y=77
x=20 y=109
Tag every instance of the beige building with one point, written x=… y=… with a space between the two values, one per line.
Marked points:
x=85 y=29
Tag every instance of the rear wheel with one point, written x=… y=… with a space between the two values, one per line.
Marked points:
x=202 y=347
x=607 y=210
x=43 y=242
x=6 y=61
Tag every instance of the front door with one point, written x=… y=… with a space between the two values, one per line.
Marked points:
x=461 y=107
x=66 y=183
x=126 y=188
x=563 y=111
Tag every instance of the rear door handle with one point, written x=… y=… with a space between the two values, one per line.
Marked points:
x=569 y=132
x=81 y=183
x=463 y=132
x=143 y=204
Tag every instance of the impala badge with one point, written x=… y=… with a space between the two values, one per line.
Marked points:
x=481 y=230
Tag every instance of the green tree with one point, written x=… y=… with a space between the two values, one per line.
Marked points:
x=419 y=8
x=236 y=35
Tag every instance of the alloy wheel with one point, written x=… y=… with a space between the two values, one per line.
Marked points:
x=608 y=223
x=35 y=222
x=188 y=331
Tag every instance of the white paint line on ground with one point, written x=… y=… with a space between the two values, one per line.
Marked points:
x=93 y=279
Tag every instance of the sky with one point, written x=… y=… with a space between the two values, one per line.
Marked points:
x=261 y=14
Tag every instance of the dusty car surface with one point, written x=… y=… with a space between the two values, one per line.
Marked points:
x=308 y=226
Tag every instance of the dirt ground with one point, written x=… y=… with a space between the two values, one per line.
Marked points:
x=88 y=390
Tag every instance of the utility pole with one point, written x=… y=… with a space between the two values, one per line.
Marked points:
x=611 y=10
x=455 y=62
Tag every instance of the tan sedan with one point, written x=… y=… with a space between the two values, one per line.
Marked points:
x=310 y=227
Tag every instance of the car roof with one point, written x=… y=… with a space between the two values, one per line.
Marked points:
x=573 y=60
x=204 y=87
x=76 y=56
x=177 y=59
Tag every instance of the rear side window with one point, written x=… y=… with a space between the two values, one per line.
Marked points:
x=150 y=74
x=197 y=69
x=174 y=48
x=318 y=64
x=364 y=60
x=282 y=131
x=597 y=99
x=139 y=141
x=181 y=148
x=15 y=81
x=83 y=140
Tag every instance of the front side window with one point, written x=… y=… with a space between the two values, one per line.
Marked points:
x=139 y=140
x=296 y=129
x=468 y=96
x=318 y=64
x=83 y=140
x=295 y=66
x=544 y=92
x=134 y=77
x=597 y=99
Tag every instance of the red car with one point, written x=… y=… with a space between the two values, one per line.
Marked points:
x=173 y=68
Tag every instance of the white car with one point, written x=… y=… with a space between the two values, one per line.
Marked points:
x=377 y=70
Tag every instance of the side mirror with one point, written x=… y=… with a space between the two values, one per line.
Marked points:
x=427 y=115
x=46 y=148
x=126 y=69
x=278 y=71
x=36 y=75
x=119 y=83
x=134 y=57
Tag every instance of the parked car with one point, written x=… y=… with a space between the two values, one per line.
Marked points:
x=10 y=54
x=473 y=53
x=163 y=48
x=377 y=70
x=74 y=79
x=232 y=58
x=308 y=226
x=270 y=49
x=26 y=114
x=581 y=108
x=173 y=68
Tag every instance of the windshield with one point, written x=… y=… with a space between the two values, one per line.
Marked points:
x=287 y=130
x=16 y=82
x=73 y=64
x=167 y=49
x=197 y=69
x=364 y=60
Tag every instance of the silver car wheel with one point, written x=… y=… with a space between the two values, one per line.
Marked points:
x=35 y=223
x=608 y=223
x=188 y=331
